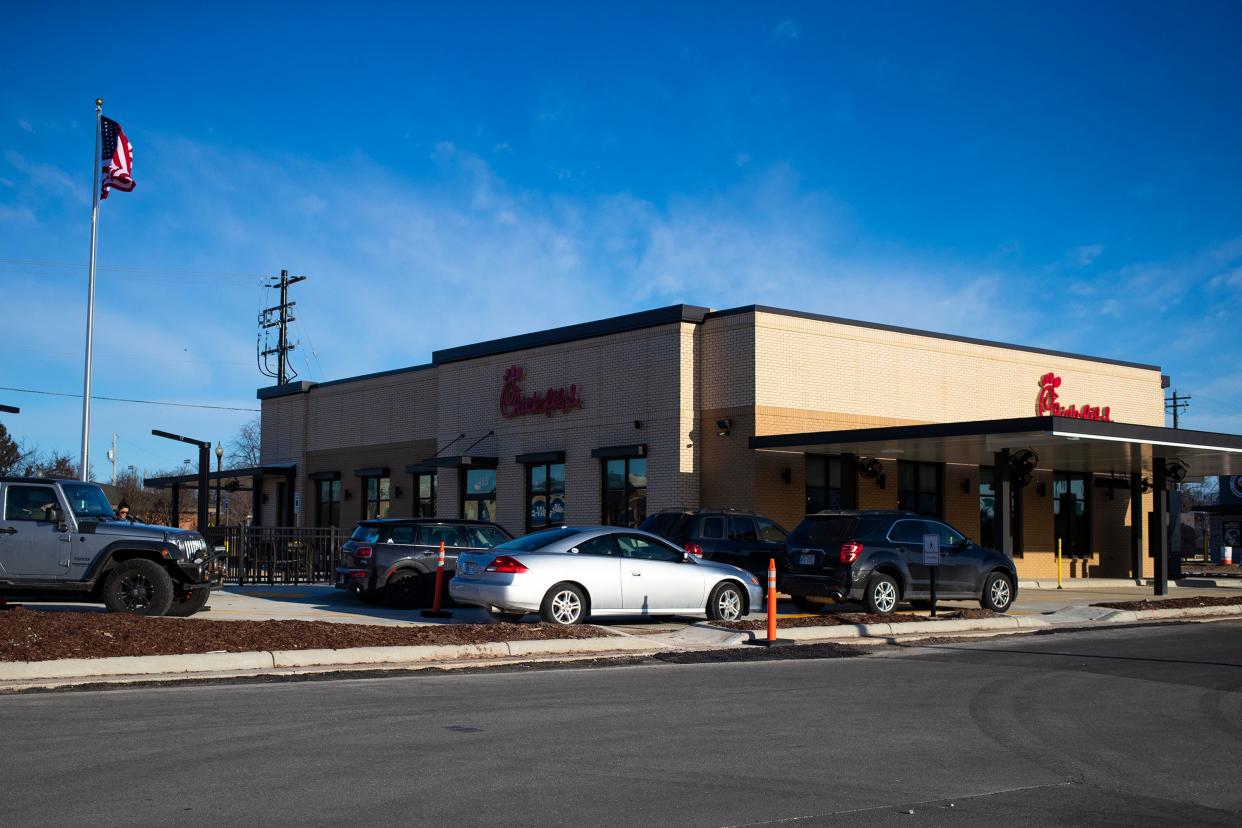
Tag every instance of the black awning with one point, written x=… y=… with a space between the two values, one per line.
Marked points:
x=280 y=470
x=615 y=452
x=325 y=475
x=420 y=468
x=462 y=461
x=538 y=457
x=372 y=471
x=1062 y=443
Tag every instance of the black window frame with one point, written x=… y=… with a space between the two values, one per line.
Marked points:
x=548 y=523
x=425 y=507
x=368 y=501
x=918 y=469
x=467 y=497
x=333 y=503
x=830 y=499
x=629 y=491
x=1083 y=535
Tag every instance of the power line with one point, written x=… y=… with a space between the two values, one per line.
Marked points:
x=126 y=400
x=130 y=269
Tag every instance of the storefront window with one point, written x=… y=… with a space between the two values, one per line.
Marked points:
x=987 y=507
x=478 y=499
x=425 y=495
x=823 y=483
x=376 y=497
x=545 y=495
x=1070 y=514
x=919 y=488
x=327 y=503
x=625 y=491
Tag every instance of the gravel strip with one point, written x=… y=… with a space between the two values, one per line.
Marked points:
x=34 y=635
x=1174 y=603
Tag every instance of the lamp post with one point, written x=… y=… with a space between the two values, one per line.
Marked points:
x=219 y=458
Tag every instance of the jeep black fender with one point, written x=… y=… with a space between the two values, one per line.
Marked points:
x=127 y=549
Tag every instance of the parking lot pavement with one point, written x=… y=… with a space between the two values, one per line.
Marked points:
x=318 y=602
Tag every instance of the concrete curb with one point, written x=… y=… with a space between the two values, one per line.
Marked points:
x=1013 y=623
x=69 y=668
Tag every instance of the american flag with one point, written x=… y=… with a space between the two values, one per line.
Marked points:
x=117 y=158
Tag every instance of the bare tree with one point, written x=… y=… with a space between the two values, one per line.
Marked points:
x=10 y=452
x=244 y=448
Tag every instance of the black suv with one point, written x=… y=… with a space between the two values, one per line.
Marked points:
x=877 y=557
x=394 y=559
x=742 y=539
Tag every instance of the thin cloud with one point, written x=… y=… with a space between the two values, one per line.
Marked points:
x=786 y=30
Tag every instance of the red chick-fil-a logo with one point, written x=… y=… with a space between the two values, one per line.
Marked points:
x=514 y=403
x=1046 y=404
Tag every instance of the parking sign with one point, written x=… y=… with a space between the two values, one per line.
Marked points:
x=931 y=550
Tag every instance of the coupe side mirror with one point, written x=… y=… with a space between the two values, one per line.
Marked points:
x=687 y=557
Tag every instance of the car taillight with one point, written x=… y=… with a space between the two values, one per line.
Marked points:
x=506 y=564
x=694 y=549
x=362 y=552
x=850 y=552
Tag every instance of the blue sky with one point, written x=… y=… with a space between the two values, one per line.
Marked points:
x=1053 y=174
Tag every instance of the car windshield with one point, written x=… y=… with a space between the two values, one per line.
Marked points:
x=87 y=501
x=537 y=540
x=365 y=533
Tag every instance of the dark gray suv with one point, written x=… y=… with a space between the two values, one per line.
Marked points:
x=394 y=559
x=59 y=537
x=876 y=557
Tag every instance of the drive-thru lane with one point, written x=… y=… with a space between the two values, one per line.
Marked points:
x=1132 y=726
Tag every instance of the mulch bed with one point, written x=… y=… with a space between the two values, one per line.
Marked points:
x=1174 y=603
x=851 y=618
x=34 y=635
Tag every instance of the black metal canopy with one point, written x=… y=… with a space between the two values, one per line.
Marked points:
x=1062 y=443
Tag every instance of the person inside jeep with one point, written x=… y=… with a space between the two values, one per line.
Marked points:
x=122 y=511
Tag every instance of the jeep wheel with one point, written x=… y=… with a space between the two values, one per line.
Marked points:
x=138 y=587
x=187 y=606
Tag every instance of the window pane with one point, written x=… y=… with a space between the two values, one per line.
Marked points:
x=834 y=472
x=614 y=508
x=537 y=511
x=480 y=481
x=614 y=474
x=537 y=478
x=816 y=475
x=638 y=473
x=556 y=508
x=601 y=545
x=907 y=531
x=402 y=534
x=29 y=503
x=713 y=528
x=424 y=486
x=905 y=476
x=637 y=507
x=929 y=478
x=742 y=529
x=816 y=499
x=556 y=478
x=372 y=488
x=633 y=546
x=770 y=532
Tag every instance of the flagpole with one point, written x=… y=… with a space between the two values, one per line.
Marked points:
x=90 y=297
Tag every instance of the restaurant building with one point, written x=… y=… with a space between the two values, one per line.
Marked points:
x=753 y=408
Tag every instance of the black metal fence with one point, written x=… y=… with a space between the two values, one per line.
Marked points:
x=278 y=554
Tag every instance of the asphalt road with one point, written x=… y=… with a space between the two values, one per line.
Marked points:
x=1123 y=727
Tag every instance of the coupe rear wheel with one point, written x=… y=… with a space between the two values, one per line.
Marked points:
x=726 y=603
x=997 y=593
x=564 y=604
x=138 y=587
x=881 y=594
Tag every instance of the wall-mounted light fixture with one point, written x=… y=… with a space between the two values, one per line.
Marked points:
x=265 y=497
x=638 y=424
x=965 y=485
x=1041 y=488
x=348 y=494
x=787 y=475
x=723 y=427
x=396 y=492
x=882 y=480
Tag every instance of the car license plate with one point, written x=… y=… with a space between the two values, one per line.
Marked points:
x=807 y=560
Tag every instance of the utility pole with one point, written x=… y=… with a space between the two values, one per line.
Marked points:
x=279 y=317
x=112 y=456
x=1177 y=403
